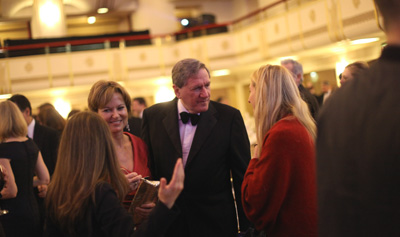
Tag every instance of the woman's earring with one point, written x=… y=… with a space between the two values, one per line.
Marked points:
x=127 y=127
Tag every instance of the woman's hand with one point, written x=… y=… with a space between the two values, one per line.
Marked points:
x=42 y=190
x=145 y=209
x=169 y=193
x=133 y=180
x=10 y=188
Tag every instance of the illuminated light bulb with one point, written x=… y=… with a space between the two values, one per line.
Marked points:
x=313 y=74
x=164 y=94
x=62 y=106
x=91 y=19
x=184 y=22
x=102 y=10
x=222 y=72
x=314 y=77
x=49 y=14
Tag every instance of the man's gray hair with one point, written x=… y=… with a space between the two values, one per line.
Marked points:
x=297 y=67
x=185 y=69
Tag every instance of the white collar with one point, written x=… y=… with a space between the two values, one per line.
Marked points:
x=31 y=128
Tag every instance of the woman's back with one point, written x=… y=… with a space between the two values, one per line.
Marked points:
x=105 y=218
x=23 y=216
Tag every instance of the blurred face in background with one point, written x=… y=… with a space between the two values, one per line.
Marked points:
x=115 y=113
x=137 y=108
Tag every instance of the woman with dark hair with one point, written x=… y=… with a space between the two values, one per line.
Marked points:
x=49 y=116
x=25 y=168
x=84 y=197
x=279 y=187
x=352 y=70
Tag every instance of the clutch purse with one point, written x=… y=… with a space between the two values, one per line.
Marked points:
x=146 y=193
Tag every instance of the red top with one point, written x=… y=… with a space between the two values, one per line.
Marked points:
x=140 y=154
x=279 y=188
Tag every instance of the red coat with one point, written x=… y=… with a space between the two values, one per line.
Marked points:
x=279 y=188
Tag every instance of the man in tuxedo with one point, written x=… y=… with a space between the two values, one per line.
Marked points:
x=358 y=146
x=297 y=71
x=212 y=140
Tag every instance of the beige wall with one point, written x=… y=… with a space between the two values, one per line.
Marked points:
x=16 y=30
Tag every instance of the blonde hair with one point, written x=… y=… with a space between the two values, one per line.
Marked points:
x=86 y=158
x=277 y=95
x=12 y=122
x=102 y=92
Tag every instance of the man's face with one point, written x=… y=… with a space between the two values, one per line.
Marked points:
x=195 y=95
x=27 y=115
x=137 y=107
x=325 y=88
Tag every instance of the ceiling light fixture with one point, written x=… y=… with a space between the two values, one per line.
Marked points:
x=5 y=96
x=102 y=10
x=185 y=22
x=222 y=72
x=364 y=41
x=49 y=14
x=91 y=20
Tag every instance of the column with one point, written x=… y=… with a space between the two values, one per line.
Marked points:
x=48 y=19
x=155 y=15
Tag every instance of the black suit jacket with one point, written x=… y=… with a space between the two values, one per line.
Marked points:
x=47 y=140
x=358 y=154
x=310 y=100
x=135 y=126
x=220 y=145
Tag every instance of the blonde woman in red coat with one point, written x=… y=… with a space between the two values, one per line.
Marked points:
x=279 y=187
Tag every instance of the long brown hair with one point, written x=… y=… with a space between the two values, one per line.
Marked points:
x=277 y=95
x=86 y=158
x=51 y=118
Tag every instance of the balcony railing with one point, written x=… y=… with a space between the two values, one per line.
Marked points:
x=17 y=48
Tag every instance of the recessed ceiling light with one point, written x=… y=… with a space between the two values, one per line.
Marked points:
x=222 y=72
x=184 y=22
x=364 y=41
x=91 y=19
x=102 y=10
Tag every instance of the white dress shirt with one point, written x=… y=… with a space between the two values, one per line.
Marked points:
x=31 y=127
x=326 y=95
x=186 y=132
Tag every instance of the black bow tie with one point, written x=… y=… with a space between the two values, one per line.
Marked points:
x=194 y=118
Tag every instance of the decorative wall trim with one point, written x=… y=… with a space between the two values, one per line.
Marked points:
x=317 y=31
x=368 y=16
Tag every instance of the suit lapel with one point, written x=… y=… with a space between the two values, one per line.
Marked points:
x=37 y=135
x=206 y=124
x=171 y=125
